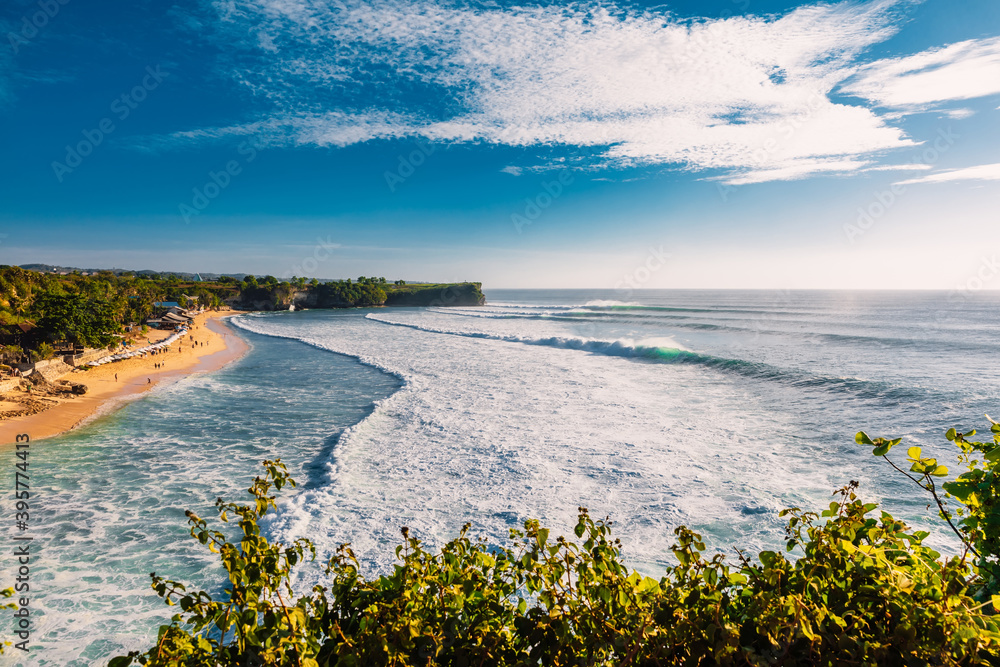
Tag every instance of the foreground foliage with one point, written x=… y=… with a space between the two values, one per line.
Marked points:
x=862 y=590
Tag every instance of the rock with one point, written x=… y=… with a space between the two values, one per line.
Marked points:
x=37 y=379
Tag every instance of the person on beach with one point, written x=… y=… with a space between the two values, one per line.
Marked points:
x=116 y=377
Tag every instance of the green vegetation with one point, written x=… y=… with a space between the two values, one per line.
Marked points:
x=42 y=311
x=87 y=311
x=977 y=491
x=269 y=293
x=435 y=294
x=42 y=352
x=91 y=321
x=364 y=293
x=859 y=588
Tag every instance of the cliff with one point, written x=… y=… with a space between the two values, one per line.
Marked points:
x=456 y=294
x=339 y=295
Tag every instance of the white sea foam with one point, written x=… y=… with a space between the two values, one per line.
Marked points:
x=495 y=432
x=610 y=303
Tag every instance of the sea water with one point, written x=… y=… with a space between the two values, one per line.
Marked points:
x=659 y=408
x=108 y=500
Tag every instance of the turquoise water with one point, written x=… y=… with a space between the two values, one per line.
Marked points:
x=711 y=409
x=110 y=498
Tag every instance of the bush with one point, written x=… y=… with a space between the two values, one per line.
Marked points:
x=977 y=490
x=862 y=590
x=42 y=352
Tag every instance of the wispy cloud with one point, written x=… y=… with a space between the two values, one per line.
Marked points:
x=960 y=71
x=331 y=128
x=958 y=114
x=748 y=98
x=900 y=167
x=983 y=172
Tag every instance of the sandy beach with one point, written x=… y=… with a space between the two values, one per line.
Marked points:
x=209 y=346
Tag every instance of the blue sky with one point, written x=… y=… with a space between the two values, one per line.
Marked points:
x=679 y=144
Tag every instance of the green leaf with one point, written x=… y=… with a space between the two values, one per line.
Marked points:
x=913 y=452
x=862 y=439
x=881 y=450
x=951 y=434
x=940 y=471
x=993 y=455
x=961 y=490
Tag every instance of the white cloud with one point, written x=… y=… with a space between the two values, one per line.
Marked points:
x=899 y=167
x=983 y=172
x=960 y=71
x=512 y=170
x=745 y=96
x=791 y=172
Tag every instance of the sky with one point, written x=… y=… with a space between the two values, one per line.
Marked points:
x=711 y=144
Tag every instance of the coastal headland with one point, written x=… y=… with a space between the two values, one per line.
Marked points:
x=364 y=293
x=209 y=346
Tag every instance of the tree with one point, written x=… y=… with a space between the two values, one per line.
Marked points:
x=43 y=352
x=78 y=319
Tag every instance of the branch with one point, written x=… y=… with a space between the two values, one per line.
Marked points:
x=944 y=512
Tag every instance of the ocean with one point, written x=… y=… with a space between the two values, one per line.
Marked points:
x=713 y=409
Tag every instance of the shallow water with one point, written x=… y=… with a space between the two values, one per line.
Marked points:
x=109 y=499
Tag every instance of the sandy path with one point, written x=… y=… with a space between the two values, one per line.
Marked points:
x=134 y=376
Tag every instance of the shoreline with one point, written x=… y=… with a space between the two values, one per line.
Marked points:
x=106 y=393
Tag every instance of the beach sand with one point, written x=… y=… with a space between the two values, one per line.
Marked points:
x=135 y=376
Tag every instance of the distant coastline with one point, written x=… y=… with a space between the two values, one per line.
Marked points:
x=286 y=296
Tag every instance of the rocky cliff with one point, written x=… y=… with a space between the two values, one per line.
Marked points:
x=456 y=294
x=336 y=296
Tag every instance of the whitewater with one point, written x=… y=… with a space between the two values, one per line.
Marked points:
x=709 y=409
